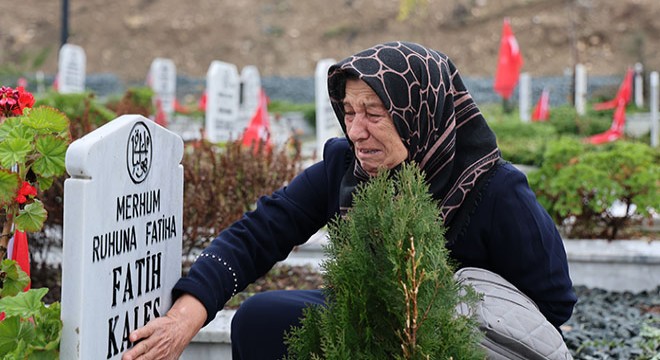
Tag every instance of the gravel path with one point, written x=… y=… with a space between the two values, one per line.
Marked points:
x=614 y=325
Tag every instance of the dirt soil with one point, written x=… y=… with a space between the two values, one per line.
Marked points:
x=288 y=37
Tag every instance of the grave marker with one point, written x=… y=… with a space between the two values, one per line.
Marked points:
x=222 y=104
x=327 y=125
x=250 y=88
x=655 y=98
x=525 y=96
x=162 y=80
x=122 y=234
x=71 y=69
x=580 y=89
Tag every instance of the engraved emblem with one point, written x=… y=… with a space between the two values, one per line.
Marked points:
x=139 y=152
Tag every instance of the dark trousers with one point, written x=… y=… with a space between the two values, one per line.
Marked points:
x=259 y=325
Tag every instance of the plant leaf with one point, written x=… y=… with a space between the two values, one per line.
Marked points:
x=31 y=218
x=15 y=278
x=13 y=151
x=24 y=304
x=46 y=119
x=9 y=185
x=52 y=150
x=13 y=332
x=45 y=182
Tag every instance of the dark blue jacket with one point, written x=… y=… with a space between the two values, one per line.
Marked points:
x=508 y=232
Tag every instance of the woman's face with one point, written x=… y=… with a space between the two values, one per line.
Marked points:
x=371 y=129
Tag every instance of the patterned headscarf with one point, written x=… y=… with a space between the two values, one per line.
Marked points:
x=434 y=114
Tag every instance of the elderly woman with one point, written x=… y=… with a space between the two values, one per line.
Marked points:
x=396 y=102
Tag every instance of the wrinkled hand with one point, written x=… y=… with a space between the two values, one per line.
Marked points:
x=166 y=337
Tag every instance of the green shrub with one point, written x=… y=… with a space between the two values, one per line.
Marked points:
x=523 y=143
x=578 y=184
x=567 y=122
x=391 y=291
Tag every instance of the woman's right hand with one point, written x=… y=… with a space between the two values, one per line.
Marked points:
x=167 y=336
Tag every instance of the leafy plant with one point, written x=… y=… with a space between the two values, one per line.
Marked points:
x=30 y=330
x=578 y=185
x=33 y=143
x=390 y=287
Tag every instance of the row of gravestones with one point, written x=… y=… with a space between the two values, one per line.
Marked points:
x=123 y=202
x=231 y=98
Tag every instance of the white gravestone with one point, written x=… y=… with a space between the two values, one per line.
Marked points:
x=122 y=234
x=162 y=80
x=250 y=88
x=71 y=69
x=327 y=125
x=525 y=96
x=222 y=102
x=580 y=89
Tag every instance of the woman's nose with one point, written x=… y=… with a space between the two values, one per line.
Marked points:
x=357 y=130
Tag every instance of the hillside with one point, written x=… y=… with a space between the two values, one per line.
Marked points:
x=287 y=37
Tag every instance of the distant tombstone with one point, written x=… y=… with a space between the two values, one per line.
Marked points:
x=71 y=69
x=580 y=89
x=162 y=80
x=327 y=125
x=654 y=100
x=525 y=97
x=639 y=85
x=222 y=103
x=122 y=234
x=250 y=87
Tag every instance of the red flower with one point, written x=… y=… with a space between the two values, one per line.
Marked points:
x=12 y=102
x=25 y=99
x=25 y=191
x=8 y=100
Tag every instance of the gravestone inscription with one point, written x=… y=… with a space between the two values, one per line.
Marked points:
x=122 y=234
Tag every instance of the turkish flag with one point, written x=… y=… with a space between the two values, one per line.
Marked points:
x=542 y=109
x=508 y=64
x=623 y=94
x=21 y=253
x=615 y=132
x=259 y=127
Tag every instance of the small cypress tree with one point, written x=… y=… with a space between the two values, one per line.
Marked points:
x=389 y=281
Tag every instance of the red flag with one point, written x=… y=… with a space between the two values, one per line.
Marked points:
x=201 y=106
x=259 y=127
x=508 y=64
x=21 y=253
x=623 y=94
x=161 y=117
x=615 y=131
x=542 y=109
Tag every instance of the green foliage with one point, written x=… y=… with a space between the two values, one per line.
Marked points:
x=523 y=143
x=34 y=143
x=579 y=182
x=83 y=110
x=391 y=292
x=567 y=122
x=30 y=330
x=650 y=344
x=280 y=107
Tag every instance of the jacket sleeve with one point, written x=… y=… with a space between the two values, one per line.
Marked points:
x=250 y=247
x=526 y=248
